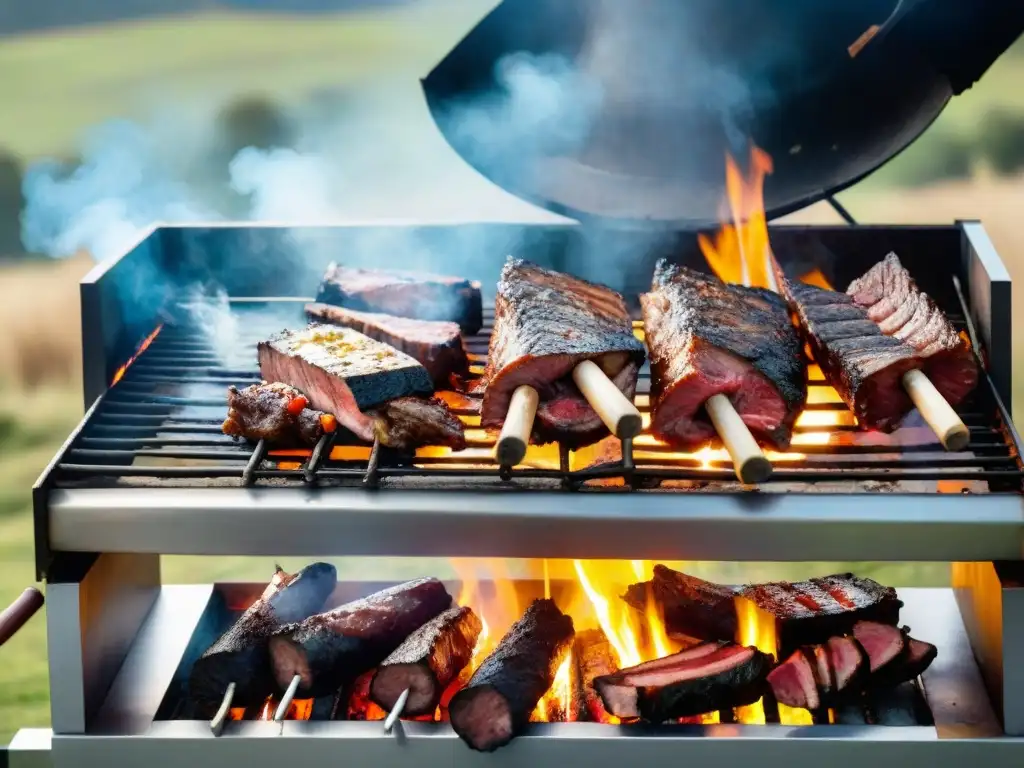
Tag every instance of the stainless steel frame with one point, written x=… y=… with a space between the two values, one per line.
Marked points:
x=123 y=730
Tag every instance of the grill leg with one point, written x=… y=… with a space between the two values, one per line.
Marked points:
x=991 y=600
x=95 y=606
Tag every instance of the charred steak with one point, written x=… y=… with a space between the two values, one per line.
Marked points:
x=705 y=678
x=497 y=702
x=427 y=662
x=417 y=295
x=901 y=310
x=342 y=372
x=436 y=344
x=545 y=324
x=706 y=338
x=331 y=649
x=277 y=413
x=804 y=612
x=240 y=654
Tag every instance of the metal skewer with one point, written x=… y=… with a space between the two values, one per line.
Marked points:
x=396 y=711
x=286 y=701
x=219 y=719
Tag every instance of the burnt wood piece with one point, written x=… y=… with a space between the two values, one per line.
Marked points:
x=901 y=310
x=593 y=657
x=418 y=295
x=689 y=606
x=545 y=324
x=264 y=412
x=497 y=702
x=436 y=344
x=240 y=655
x=343 y=372
x=427 y=662
x=706 y=338
x=706 y=678
x=331 y=649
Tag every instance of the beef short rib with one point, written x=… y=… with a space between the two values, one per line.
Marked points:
x=342 y=372
x=545 y=324
x=240 y=655
x=817 y=676
x=502 y=693
x=706 y=338
x=436 y=344
x=418 y=295
x=264 y=412
x=902 y=311
x=427 y=662
x=705 y=678
x=331 y=649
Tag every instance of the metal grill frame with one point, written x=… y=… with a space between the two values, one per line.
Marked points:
x=481 y=522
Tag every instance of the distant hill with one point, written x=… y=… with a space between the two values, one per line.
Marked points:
x=19 y=16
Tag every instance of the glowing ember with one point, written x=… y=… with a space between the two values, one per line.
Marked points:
x=119 y=373
x=741 y=252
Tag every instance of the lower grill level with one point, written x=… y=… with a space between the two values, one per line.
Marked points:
x=960 y=722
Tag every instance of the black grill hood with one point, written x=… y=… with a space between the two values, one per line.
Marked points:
x=641 y=99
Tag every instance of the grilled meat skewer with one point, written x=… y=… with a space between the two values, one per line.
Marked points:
x=562 y=364
x=277 y=413
x=725 y=361
x=331 y=649
x=428 y=660
x=240 y=655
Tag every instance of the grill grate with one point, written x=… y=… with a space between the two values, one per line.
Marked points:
x=161 y=422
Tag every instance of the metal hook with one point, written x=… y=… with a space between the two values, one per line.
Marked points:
x=286 y=701
x=396 y=711
x=219 y=719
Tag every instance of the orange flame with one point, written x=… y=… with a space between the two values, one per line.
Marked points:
x=119 y=373
x=267 y=713
x=741 y=252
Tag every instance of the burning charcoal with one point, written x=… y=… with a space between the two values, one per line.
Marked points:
x=709 y=338
x=357 y=703
x=705 y=678
x=240 y=655
x=277 y=413
x=429 y=660
x=330 y=649
x=593 y=657
x=501 y=695
x=546 y=324
x=435 y=344
x=690 y=606
x=343 y=372
x=404 y=294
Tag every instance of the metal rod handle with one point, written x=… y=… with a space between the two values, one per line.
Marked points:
x=17 y=614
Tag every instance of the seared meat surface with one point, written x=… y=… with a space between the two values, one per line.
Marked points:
x=901 y=310
x=277 y=413
x=706 y=338
x=545 y=324
x=436 y=344
x=690 y=607
x=705 y=678
x=409 y=422
x=416 y=295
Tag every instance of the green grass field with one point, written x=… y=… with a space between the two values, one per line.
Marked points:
x=55 y=86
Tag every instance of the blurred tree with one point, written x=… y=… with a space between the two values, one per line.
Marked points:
x=10 y=204
x=939 y=155
x=1002 y=141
